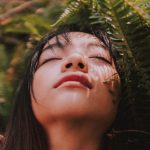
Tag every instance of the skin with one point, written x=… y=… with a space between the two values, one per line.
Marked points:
x=76 y=117
x=1 y=138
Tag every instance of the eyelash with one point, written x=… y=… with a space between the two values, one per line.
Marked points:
x=98 y=57
x=101 y=58
x=50 y=60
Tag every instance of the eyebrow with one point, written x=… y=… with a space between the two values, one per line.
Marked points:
x=97 y=44
x=51 y=47
x=55 y=45
x=58 y=44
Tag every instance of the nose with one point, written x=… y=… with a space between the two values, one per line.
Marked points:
x=75 y=62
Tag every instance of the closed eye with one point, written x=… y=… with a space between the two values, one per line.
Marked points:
x=101 y=58
x=50 y=59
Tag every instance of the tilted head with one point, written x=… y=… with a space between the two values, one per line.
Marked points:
x=75 y=77
x=86 y=59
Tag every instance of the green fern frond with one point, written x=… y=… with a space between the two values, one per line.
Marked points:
x=73 y=8
x=143 y=12
x=92 y=4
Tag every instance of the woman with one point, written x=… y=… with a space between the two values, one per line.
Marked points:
x=69 y=97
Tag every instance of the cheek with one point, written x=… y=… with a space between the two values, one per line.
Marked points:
x=107 y=90
x=103 y=73
x=104 y=106
x=40 y=86
x=43 y=81
x=104 y=101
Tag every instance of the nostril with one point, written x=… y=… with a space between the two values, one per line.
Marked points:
x=81 y=65
x=69 y=65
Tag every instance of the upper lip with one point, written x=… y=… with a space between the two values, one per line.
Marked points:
x=74 y=77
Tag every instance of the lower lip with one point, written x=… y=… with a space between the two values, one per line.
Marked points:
x=73 y=84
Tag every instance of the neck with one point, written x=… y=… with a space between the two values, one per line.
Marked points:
x=74 y=135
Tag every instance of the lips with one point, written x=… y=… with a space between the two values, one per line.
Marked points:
x=79 y=78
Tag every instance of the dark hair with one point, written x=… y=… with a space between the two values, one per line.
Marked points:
x=24 y=132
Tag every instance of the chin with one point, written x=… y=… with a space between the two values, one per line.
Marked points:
x=67 y=108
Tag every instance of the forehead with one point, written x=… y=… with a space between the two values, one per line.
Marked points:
x=74 y=38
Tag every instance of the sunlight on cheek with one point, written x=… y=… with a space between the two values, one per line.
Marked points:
x=106 y=75
x=103 y=73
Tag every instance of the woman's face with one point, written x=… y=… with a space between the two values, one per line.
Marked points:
x=76 y=79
